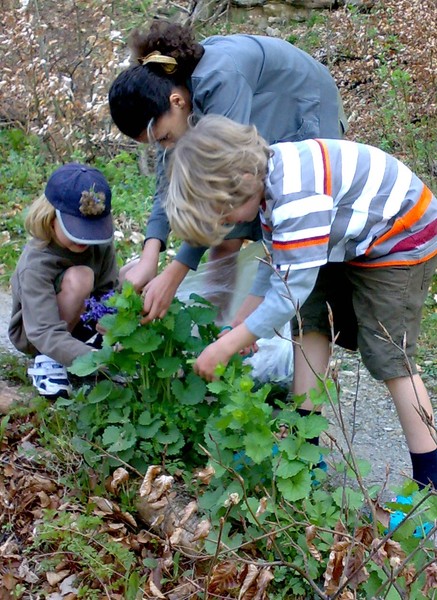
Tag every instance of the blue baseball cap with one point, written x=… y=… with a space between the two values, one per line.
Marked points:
x=82 y=200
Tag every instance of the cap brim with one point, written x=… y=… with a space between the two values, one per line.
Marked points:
x=86 y=231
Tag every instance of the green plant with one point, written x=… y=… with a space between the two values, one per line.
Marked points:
x=161 y=408
x=90 y=551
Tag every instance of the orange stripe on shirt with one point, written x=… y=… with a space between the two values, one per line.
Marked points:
x=327 y=174
x=405 y=222
x=392 y=263
x=300 y=243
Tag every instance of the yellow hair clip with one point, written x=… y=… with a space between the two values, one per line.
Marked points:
x=169 y=64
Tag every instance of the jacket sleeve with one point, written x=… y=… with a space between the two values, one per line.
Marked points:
x=157 y=225
x=281 y=300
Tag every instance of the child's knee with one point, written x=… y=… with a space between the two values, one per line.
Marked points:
x=78 y=280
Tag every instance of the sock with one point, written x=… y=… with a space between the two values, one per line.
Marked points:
x=425 y=468
x=305 y=413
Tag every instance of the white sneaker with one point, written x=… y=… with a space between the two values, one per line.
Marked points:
x=49 y=377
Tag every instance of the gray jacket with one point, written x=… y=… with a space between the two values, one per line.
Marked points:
x=35 y=326
x=265 y=81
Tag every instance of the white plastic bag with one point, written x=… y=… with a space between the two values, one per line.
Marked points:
x=274 y=360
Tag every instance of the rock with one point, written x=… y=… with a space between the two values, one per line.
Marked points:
x=8 y=397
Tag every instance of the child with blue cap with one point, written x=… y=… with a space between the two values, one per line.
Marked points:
x=69 y=258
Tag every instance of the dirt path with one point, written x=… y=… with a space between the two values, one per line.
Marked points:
x=368 y=412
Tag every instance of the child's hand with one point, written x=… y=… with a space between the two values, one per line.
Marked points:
x=213 y=355
x=100 y=329
x=231 y=342
x=249 y=351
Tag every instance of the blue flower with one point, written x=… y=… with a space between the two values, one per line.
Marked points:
x=96 y=309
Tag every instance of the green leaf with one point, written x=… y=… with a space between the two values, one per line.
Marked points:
x=133 y=586
x=347 y=497
x=182 y=327
x=118 y=416
x=145 y=418
x=217 y=387
x=89 y=363
x=147 y=432
x=258 y=447
x=290 y=446
x=191 y=391
x=289 y=468
x=119 y=438
x=201 y=300
x=169 y=437
x=168 y=365
x=100 y=392
x=143 y=339
x=295 y=488
x=309 y=452
x=312 y=425
x=123 y=326
x=376 y=577
x=84 y=365
x=201 y=315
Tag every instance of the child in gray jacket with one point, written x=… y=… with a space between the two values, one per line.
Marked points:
x=70 y=257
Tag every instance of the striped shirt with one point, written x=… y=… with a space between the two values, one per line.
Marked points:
x=336 y=201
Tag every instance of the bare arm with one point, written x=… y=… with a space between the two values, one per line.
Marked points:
x=160 y=291
x=221 y=351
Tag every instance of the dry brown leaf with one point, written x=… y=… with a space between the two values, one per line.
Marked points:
x=364 y=535
x=409 y=572
x=204 y=475
x=160 y=486
x=155 y=591
x=190 y=510
x=378 y=552
x=262 y=507
x=347 y=595
x=394 y=550
x=103 y=505
x=183 y=591
x=44 y=499
x=355 y=572
x=263 y=580
x=55 y=577
x=151 y=474
x=202 y=530
x=129 y=519
x=8 y=582
x=224 y=578
x=430 y=579
x=251 y=575
x=335 y=567
x=37 y=483
x=143 y=537
x=9 y=549
x=119 y=477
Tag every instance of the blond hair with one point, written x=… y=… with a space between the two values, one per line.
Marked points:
x=208 y=177
x=39 y=220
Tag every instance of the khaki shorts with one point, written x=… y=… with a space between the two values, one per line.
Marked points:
x=361 y=300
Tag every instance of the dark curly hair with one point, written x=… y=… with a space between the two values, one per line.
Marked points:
x=141 y=92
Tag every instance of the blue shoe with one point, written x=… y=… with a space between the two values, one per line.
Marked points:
x=398 y=516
